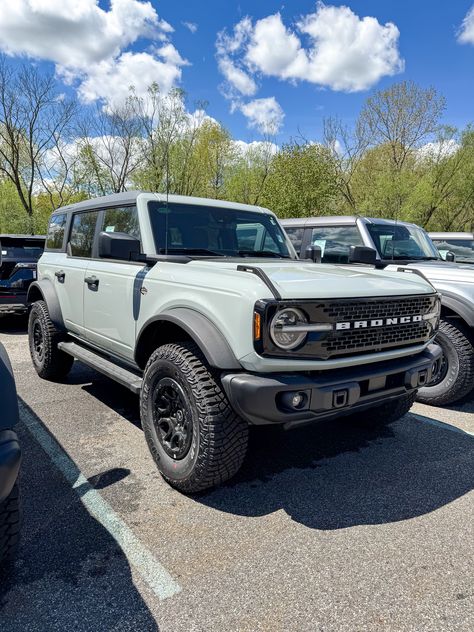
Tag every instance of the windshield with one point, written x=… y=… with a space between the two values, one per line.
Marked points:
x=462 y=248
x=212 y=231
x=402 y=242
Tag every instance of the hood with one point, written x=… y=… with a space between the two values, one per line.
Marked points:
x=300 y=279
x=444 y=271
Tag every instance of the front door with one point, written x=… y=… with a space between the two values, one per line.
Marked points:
x=112 y=291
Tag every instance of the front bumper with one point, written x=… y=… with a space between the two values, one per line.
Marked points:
x=10 y=458
x=261 y=399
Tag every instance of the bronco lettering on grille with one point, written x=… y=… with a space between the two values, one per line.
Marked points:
x=378 y=322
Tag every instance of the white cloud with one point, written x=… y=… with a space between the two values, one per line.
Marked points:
x=345 y=52
x=466 y=32
x=438 y=149
x=265 y=115
x=236 y=77
x=191 y=26
x=255 y=147
x=88 y=44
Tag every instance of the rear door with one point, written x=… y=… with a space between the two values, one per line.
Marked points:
x=111 y=301
x=71 y=269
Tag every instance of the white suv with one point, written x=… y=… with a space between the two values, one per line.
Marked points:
x=203 y=309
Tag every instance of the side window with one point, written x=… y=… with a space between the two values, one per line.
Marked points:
x=82 y=233
x=335 y=242
x=122 y=220
x=296 y=237
x=55 y=237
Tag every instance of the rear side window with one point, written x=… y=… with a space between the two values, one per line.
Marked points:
x=335 y=242
x=296 y=237
x=57 y=225
x=82 y=233
x=122 y=220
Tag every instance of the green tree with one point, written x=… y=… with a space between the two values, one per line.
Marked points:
x=300 y=182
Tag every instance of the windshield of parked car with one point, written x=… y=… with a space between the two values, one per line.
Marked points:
x=22 y=249
x=199 y=230
x=402 y=242
x=462 y=248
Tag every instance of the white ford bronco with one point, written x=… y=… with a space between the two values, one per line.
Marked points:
x=203 y=309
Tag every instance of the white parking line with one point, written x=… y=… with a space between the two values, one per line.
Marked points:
x=152 y=572
x=442 y=424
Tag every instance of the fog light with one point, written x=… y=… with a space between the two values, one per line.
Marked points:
x=295 y=400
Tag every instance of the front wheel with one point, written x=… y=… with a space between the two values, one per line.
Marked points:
x=194 y=436
x=455 y=378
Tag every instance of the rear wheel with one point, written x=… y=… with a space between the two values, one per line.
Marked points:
x=195 y=437
x=9 y=526
x=50 y=362
x=456 y=376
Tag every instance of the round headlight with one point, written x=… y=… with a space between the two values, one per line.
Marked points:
x=281 y=328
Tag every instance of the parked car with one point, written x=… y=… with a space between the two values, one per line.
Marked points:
x=10 y=457
x=460 y=244
x=18 y=258
x=400 y=245
x=203 y=309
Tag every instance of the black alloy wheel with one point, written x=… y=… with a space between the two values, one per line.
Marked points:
x=172 y=419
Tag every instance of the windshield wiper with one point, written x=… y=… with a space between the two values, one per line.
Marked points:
x=193 y=251
x=262 y=253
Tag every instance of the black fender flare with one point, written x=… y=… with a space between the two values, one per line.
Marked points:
x=50 y=297
x=461 y=307
x=201 y=330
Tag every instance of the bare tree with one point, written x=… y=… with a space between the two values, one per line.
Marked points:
x=347 y=148
x=403 y=116
x=33 y=117
x=109 y=147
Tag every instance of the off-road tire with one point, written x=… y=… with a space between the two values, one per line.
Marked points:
x=52 y=364
x=219 y=437
x=9 y=527
x=457 y=344
x=385 y=414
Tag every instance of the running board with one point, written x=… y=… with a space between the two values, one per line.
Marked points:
x=124 y=377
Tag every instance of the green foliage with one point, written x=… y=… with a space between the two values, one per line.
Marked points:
x=300 y=181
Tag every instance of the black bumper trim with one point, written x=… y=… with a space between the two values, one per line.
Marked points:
x=257 y=398
x=10 y=459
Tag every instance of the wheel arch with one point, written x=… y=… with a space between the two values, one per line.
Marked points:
x=453 y=307
x=44 y=291
x=181 y=324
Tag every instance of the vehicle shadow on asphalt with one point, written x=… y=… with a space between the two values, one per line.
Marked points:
x=71 y=574
x=334 y=475
x=337 y=475
x=13 y=325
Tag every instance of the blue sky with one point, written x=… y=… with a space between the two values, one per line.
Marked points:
x=94 y=50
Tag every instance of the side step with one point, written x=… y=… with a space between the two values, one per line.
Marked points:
x=108 y=368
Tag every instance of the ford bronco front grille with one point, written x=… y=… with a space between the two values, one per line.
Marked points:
x=360 y=326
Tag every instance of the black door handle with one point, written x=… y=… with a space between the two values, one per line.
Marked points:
x=92 y=282
x=60 y=275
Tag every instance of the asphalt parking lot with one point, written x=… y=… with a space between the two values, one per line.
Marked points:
x=327 y=528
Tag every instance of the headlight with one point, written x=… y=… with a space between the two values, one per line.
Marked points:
x=287 y=328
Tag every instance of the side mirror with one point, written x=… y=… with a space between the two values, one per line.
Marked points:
x=450 y=256
x=121 y=246
x=314 y=253
x=362 y=254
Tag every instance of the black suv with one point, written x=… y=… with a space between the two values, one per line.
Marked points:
x=19 y=255
x=10 y=457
